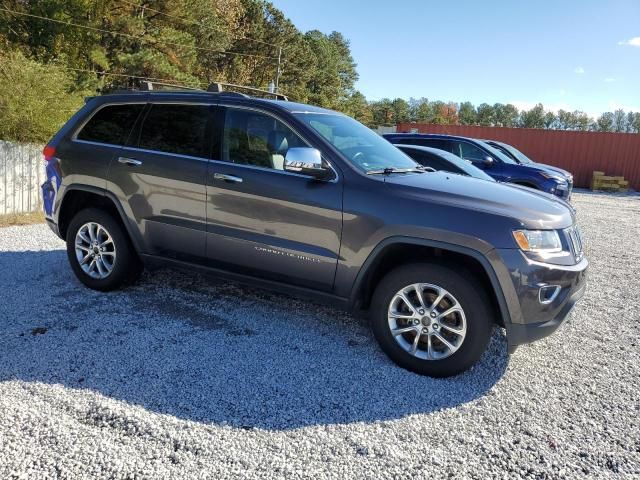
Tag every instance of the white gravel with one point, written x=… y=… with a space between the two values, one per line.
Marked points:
x=181 y=377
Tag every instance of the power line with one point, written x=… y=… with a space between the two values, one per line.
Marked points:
x=128 y=35
x=142 y=7
x=104 y=72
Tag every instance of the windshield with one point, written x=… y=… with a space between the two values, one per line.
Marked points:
x=497 y=153
x=520 y=157
x=362 y=146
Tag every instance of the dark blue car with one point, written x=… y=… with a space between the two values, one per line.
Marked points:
x=521 y=158
x=494 y=162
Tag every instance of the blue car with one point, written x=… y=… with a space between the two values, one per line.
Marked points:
x=494 y=162
x=522 y=159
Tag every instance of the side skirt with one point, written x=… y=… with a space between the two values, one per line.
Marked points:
x=154 y=262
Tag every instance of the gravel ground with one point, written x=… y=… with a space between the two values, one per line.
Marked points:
x=183 y=377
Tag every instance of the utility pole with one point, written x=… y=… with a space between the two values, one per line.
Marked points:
x=278 y=71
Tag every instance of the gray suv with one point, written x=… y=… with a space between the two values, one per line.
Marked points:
x=310 y=202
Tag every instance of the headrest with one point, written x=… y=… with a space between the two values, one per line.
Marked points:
x=278 y=142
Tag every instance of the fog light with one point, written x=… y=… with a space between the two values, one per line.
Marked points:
x=548 y=293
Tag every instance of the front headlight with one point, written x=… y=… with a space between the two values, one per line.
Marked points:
x=538 y=241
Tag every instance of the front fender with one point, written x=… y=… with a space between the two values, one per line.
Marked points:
x=488 y=258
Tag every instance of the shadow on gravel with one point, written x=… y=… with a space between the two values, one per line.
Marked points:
x=211 y=352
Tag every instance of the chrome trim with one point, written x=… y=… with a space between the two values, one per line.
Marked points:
x=553 y=296
x=217 y=104
x=574 y=237
x=273 y=170
x=227 y=178
x=129 y=161
x=159 y=152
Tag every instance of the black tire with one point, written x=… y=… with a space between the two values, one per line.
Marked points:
x=476 y=307
x=126 y=267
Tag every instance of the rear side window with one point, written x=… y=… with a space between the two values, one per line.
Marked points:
x=111 y=124
x=180 y=129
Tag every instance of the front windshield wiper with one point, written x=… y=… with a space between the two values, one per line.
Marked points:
x=390 y=170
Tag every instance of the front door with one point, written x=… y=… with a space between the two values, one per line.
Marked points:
x=161 y=179
x=263 y=220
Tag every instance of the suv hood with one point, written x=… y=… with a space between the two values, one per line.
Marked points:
x=551 y=168
x=541 y=167
x=530 y=208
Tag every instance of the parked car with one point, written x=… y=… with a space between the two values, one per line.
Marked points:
x=498 y=165
x=310 y=202
x=521 y=158
x=440 y=160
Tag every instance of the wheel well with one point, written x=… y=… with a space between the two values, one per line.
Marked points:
x=77 y=200
x=396 y=255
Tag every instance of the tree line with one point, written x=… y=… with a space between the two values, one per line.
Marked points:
x=64 y=50
x=392 y=112
x=53 y=53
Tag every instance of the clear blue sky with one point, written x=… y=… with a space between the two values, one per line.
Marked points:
x=567 y=54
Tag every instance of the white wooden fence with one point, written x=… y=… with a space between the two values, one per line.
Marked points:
x=21 y=174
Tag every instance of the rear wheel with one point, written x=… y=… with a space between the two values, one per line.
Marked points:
x=100 y=252
x=430 y=319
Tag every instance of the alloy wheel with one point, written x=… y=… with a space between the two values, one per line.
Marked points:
x=95 y=250
x=427 y=321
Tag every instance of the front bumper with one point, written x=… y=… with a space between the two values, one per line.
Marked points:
x=535 y=316
x=518 y=334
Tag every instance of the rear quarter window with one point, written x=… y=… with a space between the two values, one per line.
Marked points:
x=111 y=124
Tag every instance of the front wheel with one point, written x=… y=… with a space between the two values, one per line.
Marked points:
x=430 y=319
x=100 y=252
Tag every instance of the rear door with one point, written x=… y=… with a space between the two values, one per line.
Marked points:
x=263 y=220
x=160 y=177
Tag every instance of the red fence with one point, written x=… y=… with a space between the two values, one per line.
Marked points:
x=578 y=152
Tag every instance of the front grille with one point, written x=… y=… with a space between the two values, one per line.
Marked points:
x=574 y=238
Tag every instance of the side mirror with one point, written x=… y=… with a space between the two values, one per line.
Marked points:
x=488 y=162
x=305 y=160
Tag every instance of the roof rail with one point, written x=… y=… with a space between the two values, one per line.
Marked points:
x=149 y=86
x=218 y=87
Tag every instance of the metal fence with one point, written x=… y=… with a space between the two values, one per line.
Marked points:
x=21 y=174
x=581 y=153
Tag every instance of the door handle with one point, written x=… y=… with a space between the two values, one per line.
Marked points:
x=129 y=161
x=227 y=178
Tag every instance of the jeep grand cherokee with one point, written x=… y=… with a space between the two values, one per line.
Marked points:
x=309 y=201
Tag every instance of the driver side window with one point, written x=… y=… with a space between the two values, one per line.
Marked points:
x=255 y=138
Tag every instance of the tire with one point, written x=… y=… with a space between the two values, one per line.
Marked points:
x=116 y=265
x=467 y=329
